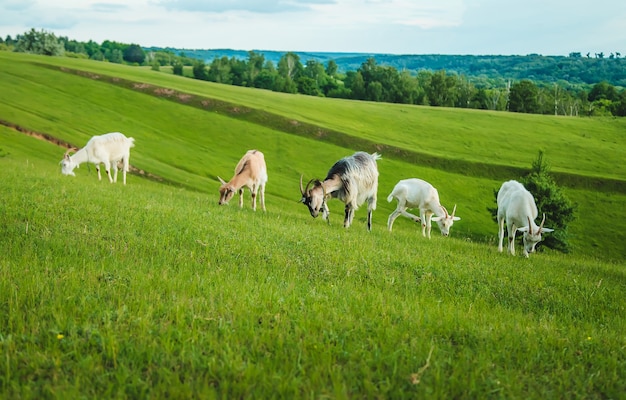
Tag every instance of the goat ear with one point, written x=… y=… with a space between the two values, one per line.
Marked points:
x=523 y=229
x=436 y=218
x=221 y=180
x=456 y=219
x=546 y=230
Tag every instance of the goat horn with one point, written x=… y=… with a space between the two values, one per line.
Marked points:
x=530 y=226
x=445 y=211
x=306 y=189
x=542 y=221
x=454 y=210
x=67 y=152
x=301 y=190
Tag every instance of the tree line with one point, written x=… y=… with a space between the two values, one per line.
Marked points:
x=380 y=83
x=370 y=81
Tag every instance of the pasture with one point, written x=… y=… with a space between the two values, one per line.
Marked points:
x=152 y=290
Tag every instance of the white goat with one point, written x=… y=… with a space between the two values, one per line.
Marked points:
x=353 y=180
x=107 y=149
x=416 y=193
x=250 y=172
x=516 y=207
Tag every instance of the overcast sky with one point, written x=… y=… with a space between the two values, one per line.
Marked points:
x=478 y=27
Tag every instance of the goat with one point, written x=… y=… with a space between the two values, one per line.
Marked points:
x=416 y=193
x=516 y=207
x=250 y=172
x=353 y=180
x=107 y=149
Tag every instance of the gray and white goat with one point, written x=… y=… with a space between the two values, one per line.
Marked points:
x=107 y=149
x=353 y=180
x=516 y=207
x=250 y=172
x=417 y=193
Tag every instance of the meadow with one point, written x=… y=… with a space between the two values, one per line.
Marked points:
x=152 y=290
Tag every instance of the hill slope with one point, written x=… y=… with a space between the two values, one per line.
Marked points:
x=152 y=291
x=192 y=145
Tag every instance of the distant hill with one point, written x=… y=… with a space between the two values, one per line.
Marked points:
x=576 y=69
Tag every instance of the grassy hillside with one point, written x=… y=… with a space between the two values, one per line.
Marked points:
x=190 y=147
x=473 y=135
x=152 y=291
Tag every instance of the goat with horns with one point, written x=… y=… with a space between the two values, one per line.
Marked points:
x=353 y=180
x=517 y=208
x=107 y=149
x=417 y=193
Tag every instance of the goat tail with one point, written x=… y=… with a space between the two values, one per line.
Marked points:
x=376 y=156
x=390 y=198
x=132 y=141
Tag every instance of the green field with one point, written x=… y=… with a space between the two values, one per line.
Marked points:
x=152 y=290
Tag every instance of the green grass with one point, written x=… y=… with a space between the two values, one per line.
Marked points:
x=152 y=290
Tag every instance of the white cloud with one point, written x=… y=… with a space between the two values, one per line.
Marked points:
x=254 y=6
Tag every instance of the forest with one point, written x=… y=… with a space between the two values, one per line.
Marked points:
x=577 y=85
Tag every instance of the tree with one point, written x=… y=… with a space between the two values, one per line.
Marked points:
x=220 y=71
x=602 y=90
x=255 y=66
x=408 y=90
x=440 y=90
x=117 y=56
x=331 y=68
x=265 y=79
x=308 y=86
x=523 y=97
x=480 y=100
x=465 y=92
x=375 y=91
x=199 y=71
x=239 y=72
x=134 y=54
x=39 y=42
x=289 y=66
x=619 y=106
x=357 y=86
x=177 y=68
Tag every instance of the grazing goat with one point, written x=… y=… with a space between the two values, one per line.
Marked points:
x=353 y=180
x=107 y=149
x=416 y=193
x=516 y=207
x=250 y=172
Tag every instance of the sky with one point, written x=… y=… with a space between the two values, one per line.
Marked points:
x=459 y=27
